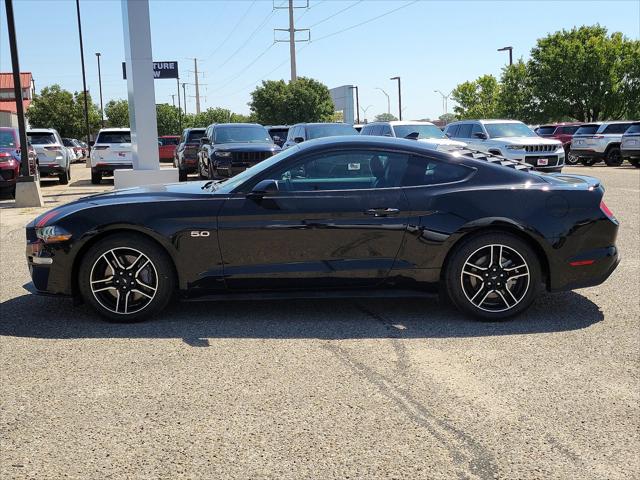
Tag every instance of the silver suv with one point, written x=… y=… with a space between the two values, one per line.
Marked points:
x=598 y=141
x=425 y=132
x=510 y=139
x=630 y=146
x=54 y=159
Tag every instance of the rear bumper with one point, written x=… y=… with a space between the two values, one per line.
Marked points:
x=8 y=176
x=630 y=153
x=51 y=169
x=108 y=168
x=583 y=274
x=585 y=153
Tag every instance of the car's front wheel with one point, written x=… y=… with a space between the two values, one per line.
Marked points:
x=614 y=157
x=126 y=278
x=493 y=276
x=572 y=158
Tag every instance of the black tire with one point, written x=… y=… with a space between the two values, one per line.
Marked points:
x=127 y=246
x=182 y=175
x=491 y=303
x=589 y=162
x=635 y=162
x=65 y=177
x=96 y=177
x=613 y=157
x=201 y=175
x=571 y=158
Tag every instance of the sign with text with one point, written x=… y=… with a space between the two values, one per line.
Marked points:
x=160 y=70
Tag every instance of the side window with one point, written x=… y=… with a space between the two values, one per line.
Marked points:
x=452 y=131
x=464 y=130
x=376 y=130
x=476 y=129
x=350 y=170
x=365 y=130
x=426 y=171
x=385 y=130
x=617 y=128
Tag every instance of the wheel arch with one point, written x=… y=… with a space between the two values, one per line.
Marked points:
x=500 y=226
x=130 y=229
x=611 y=146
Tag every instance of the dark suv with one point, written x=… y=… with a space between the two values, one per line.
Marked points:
x=630 y=146
x=306 y=131
x=230 y=148
x=185 y=158
x=563 y=132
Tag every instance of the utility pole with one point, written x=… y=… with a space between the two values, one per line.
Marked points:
x=100 y=84
x=184 y=96
x=399 y=97
x=84 y=80
x=292 y=36
x=173 y=99
x=179 y=107
x=195 y=71
x=510 y=50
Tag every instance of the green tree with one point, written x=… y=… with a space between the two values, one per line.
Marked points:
x=117 y=113
x=477 y=99
x=516 y=99
x=304 y=100
x=447 y=118
x=168 y=118
x=385 y=117
x=585 y=73
x=57 y=108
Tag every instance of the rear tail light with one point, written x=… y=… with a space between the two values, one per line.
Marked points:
x=4 y=154
x=607 y=211
x=54 y=149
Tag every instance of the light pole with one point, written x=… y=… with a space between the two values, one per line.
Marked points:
x=445 y=98
x=510 y=49
x=388 y=100
x=84 y=80
x=364 y=111
x=399 y=97
x=100 y=85
x=184 y=97
x=357 y=103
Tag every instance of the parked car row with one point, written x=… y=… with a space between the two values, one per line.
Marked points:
x=77 y=149
x=11 y=159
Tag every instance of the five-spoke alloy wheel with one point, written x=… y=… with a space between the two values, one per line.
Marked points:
x=126 y=277
x=493 y=275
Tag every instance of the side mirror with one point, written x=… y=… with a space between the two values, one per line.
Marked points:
x=298 y=139
x=480 y=135
x=205 y=141
x=263 y=188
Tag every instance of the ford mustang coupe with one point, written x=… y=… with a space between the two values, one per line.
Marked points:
x=345 y=216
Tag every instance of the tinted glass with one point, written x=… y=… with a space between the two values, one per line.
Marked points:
x=242 y=134
x=617 y=128
x=329 y=130
x=497 y=130
x=422 y=131
x=452 y=131
x=569 y=130
x=464 y=130
x=7 y=139
x=476 y=129
x=280 y=132
x=546 y=130
x=168 y=141
x=385 y=130
x=67 y=142
x=635 y=128
x=114 y=137
x=587 y=130
x=41 y=138
x=425 y=171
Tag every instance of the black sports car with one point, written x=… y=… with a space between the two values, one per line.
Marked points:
x=348 y=216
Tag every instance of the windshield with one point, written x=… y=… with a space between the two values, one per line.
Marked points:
x=114 y=137
x=234 y=182
x=423 y=131
x=635 y=128
x=38 y=138
x=242 y=134
x=587 y=129
x=329 y=130
x=546 y=130
x=194 y=136
x=168 y=141
x=7 y=139
x=497 y=130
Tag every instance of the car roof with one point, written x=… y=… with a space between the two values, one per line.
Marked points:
x=561 y=124
x=403 y=122
x=276 y=126
x=169 y=136
x=216 y=125
x=41 y=130
x=114 y=129
x=317 y=124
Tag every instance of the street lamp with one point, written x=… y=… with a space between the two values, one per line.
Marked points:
x=510 y=49
x=399 y=97
x=84 y=79
x=444 y=99
x=352 y=87
x=100 y=84
x=388 y=100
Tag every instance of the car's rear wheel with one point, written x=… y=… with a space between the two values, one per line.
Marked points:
x=126 y=278
x=64 y=177
x=182 y=175
x=614 y=157
x=493 y=276
x=96 y=177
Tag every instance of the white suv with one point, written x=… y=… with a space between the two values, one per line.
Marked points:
x=111 y=151
x=424 y=132
x=510 y=139
x=593 y=142
x=54 y=159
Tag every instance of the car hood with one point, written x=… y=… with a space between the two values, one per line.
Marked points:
x=441 y=143
x=247 y=147
x=527 y=141
x=149 y=193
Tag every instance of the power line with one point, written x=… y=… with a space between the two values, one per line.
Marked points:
x=337 y=13
x=233 y=30
x=231 y=79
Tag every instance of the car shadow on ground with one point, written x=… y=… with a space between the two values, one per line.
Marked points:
x=35 y=316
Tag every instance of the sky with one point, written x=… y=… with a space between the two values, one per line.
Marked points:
x=431 y=45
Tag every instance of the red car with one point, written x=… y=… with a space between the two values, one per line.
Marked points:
x=167 y=147
x=563 y=132
x=10 y=159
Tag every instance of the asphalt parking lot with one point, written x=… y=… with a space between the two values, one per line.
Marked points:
x=380 y=388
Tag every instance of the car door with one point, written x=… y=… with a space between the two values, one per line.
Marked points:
x=332 y=223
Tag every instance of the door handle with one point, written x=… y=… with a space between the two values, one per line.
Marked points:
x=382 y=212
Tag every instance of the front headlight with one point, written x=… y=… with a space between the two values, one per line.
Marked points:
x=515 y=147
x=223 y=154
x=52 y=234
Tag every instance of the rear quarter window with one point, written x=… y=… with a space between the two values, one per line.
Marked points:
x=616 y=128
x=635 y=128
x=587 y=130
